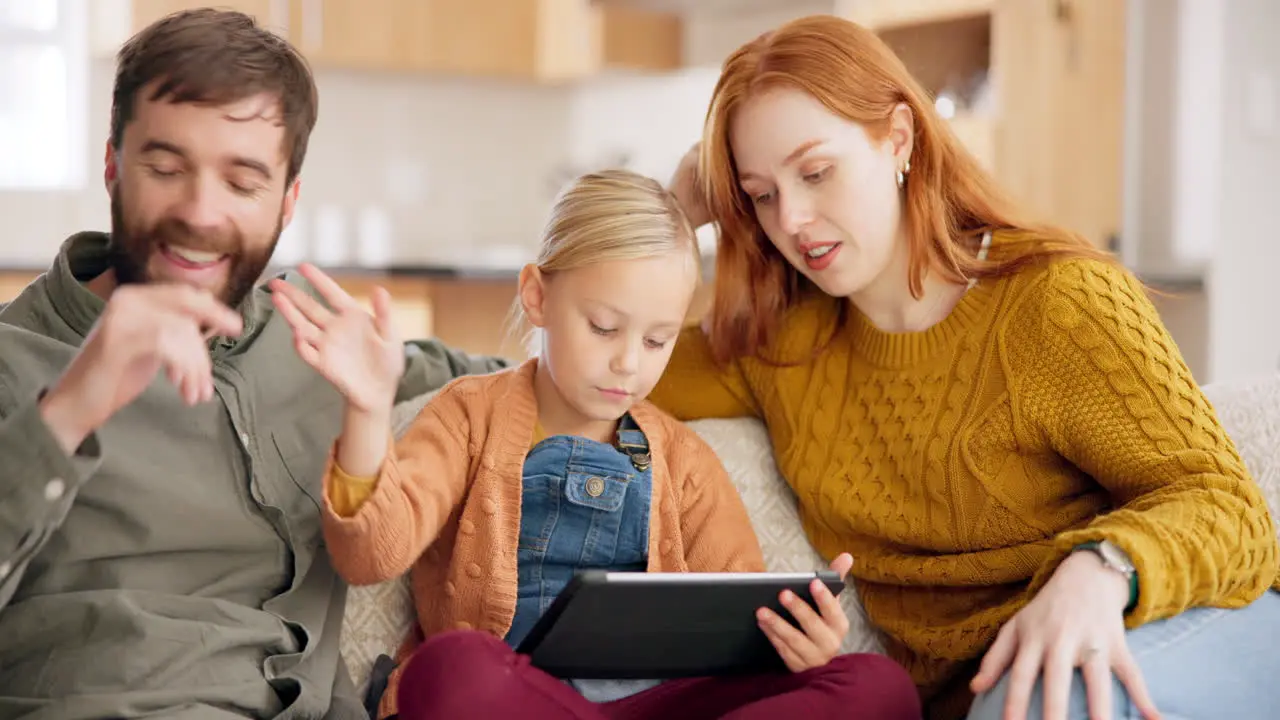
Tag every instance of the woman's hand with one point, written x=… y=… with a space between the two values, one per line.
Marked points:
x=820 y=635
x=1076 y=620
x=359 y=353
x=687 y=187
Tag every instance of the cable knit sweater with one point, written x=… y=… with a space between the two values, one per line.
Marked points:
x=445 y=507
x=960 y=464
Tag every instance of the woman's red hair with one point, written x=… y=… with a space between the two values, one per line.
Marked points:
x=950 y=200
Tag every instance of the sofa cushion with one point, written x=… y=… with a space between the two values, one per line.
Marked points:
x=378 y=619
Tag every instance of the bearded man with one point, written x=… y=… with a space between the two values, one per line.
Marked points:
x=161 y=443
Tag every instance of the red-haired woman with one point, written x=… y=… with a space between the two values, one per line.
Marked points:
x=983 y=409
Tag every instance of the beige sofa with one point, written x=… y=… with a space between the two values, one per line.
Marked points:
x=378 y=617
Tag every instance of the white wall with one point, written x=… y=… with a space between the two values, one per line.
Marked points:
x=649 y=121
x=453 y=167
x=1202 y=154
x=1244 y=280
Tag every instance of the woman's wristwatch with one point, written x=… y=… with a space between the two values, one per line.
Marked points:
x=1113 y=558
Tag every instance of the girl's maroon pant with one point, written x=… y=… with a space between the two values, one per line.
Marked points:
x=470 y=674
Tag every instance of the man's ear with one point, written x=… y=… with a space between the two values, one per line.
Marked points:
x=110 y=169
x=533 y=294
x=290 y=202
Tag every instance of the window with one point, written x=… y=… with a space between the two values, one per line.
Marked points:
x=44 y=69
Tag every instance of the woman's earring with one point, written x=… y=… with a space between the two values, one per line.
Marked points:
x=902 y=174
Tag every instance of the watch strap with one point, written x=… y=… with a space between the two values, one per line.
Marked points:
x=1094 y=547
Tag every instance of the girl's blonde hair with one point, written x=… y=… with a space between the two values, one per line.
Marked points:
x=607 y=216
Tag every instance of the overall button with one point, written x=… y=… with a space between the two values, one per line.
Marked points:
x=54 y=489
x=244 y=439
x=5 y=569
x=595 y=486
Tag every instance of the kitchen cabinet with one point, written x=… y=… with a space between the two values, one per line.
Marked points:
x=12 y=283
x=523 y=39
x=364 y=35
x=465 y=312
x=1037 y=91
x=884 y=14
x=538 y=40
x=633 y=38
x=271 y=13
x=1061 y=73
x=546 y=40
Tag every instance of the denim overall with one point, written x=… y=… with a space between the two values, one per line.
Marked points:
x=585 y=504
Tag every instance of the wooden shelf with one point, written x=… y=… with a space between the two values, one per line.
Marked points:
x=944 y=55
x=635 y=39
x=547 y=41
x=946 y=44
x=1038 y=98
x=886 y=14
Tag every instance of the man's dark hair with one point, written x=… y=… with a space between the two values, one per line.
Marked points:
x=214 y=57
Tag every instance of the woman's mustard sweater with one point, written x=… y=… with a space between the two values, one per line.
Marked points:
x=960 y=464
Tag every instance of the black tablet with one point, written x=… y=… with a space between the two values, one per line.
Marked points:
x=629 y=625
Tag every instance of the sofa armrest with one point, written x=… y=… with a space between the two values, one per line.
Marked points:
x=1249 y=410
x=380 y=617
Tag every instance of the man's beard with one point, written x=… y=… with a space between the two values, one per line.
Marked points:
x=133 y=247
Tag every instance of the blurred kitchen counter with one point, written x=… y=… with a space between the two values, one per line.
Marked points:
x=467 y=308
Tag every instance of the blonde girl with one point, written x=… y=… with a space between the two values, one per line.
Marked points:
x=509 y=483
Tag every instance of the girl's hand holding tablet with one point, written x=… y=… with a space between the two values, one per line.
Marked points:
x=821 y=632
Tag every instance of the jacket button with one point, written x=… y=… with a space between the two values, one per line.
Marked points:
x=664 y=547
x=489 y=506
x=466 y=527
x=54 y=489
x=450 y=590
x=474 y=570
x=462 y=625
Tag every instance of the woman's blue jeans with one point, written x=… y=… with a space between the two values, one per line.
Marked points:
x=1205 y=664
